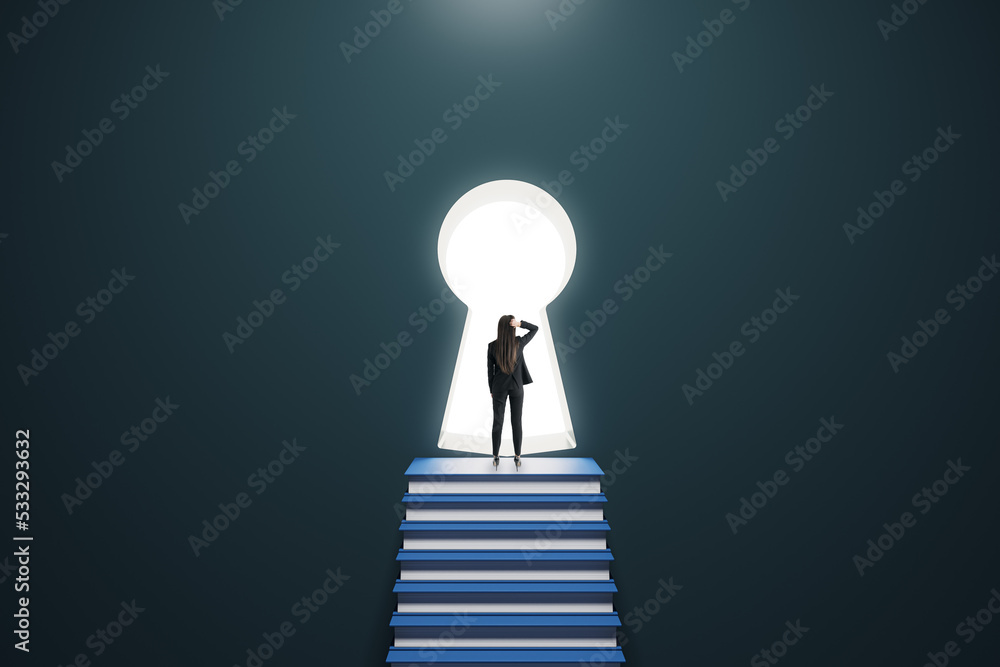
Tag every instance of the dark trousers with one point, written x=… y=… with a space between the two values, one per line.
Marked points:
x=499 y=403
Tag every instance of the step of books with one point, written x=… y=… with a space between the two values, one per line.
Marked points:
x=504 y=566
x=492 y=564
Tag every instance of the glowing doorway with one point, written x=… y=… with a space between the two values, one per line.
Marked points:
x=506 y=247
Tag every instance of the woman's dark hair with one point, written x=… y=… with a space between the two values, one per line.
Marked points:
x=506 y=345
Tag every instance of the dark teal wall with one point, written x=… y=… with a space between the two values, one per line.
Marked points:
x=554 y=83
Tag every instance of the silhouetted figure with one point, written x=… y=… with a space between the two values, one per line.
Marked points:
x=508 y=374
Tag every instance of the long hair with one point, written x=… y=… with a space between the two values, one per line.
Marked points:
x=506 y=345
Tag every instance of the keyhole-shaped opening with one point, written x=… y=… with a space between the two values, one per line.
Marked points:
x=506 y=247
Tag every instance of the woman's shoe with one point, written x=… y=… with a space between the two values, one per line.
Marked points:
x=517 y=460
x=496 y=461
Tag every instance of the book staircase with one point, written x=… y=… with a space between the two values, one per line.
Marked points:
x=505 y=566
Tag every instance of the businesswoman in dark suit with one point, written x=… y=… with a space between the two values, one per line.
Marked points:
x=508 y=374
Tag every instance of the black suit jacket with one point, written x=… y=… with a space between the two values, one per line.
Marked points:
x=520 y=376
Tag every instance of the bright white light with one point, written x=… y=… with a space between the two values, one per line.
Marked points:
x=506 y=248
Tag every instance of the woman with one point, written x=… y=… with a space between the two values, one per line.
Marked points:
x=508 y=374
